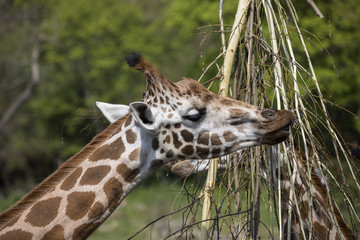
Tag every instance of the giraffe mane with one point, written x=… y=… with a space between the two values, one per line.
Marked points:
x=64 y=170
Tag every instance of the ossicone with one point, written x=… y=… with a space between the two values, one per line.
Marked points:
x=133 y=59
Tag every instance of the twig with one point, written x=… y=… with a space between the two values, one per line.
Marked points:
x=210 y=219
x=159 y=218
x=316 y=9
x=20 y=100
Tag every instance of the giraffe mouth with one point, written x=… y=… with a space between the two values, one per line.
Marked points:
x=276 y=137
x=286 y=128
x=281 y=133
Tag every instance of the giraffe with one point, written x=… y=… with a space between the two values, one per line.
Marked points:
x=181 y=120
x=323 y=219
x=318 y=219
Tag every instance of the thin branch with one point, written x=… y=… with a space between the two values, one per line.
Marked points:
x=21 y=99
x=159 y=218
x=316 y=9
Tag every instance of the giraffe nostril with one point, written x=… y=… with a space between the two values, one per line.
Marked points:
x=268 y=113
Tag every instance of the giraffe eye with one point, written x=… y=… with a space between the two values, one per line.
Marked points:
x=195 y=115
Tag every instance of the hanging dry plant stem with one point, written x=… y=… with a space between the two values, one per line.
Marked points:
x=291 y=183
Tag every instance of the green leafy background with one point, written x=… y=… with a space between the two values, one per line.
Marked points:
x=83 y=44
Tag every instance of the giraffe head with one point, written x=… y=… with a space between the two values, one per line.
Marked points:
x=185 y=120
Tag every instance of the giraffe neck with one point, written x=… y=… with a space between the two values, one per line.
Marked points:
x=316 y=216
x=82 y=194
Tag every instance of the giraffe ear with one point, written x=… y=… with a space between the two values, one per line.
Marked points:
x=145 y=117
x=112 y=112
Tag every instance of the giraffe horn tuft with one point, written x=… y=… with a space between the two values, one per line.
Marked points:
x=139 y=63
x=133 y=59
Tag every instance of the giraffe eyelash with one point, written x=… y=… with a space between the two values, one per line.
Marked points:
x=196 y=116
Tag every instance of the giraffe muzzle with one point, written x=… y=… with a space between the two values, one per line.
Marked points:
x=280 y=131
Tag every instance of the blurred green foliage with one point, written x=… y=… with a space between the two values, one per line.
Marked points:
x=82 y=49
x=335 y=53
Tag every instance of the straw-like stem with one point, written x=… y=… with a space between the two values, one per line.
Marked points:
x=265 y=71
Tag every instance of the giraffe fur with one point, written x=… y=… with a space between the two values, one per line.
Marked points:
x=181 y=120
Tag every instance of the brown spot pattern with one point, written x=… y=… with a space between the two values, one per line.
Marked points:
x=208 y=97
x=16 y=234
x=123 y=169
x=132 y=175
x=304 y=206
x=319 y=230
x=155 y=164
x=170 y=154
x=128 y=121
x=300 y=189
x=96 y=210
x=227 y=150
x=215 y=139
x=127 y=173
x=203 y=138
x=43 y=212
x=215 y=152
x=237 y=113
x=130 y=136
x=337 y=237
x=113 y=191
x=70 y=181
x=177 y=125
x=79 y=204
x=111 y=151
x=187 y=150
x=176 y=140
x=167 y=139
x=94 y=175
x=155 y=144
x=229 y=136
x=226 y=102
x=202 y=152
x=134 y=155
x=187 y=136
x=56 y=233
x=83 y=231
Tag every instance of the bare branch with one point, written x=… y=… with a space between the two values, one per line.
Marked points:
x=21 y=99
x=316 y=9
